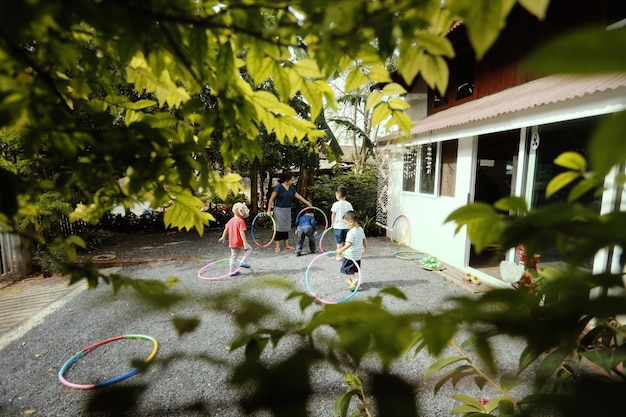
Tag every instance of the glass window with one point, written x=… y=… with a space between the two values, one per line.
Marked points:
x=427 y=168
x=464 y=75
x=449 y=151
x=409 y=167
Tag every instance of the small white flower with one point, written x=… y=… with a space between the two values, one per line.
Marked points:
x=511 y=272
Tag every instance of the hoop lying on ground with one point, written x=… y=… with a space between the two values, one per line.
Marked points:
x=130 y=373
x=406 y=255
x=256 y=242
x=406 y=233
x=317 y=297
x=210 y=264
x=323 y=214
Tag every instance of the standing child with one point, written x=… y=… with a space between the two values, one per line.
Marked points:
x=338 y=209
x=306 y=227
x=354 y=247
x=236 y=230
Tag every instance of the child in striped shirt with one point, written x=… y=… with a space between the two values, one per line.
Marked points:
x=352 y=249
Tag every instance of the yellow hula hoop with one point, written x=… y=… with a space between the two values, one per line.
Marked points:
x=406 y=233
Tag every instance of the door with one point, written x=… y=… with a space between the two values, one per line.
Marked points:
x=496 y=170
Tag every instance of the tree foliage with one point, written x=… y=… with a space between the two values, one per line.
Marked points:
x=66 y=70
x=129 y=95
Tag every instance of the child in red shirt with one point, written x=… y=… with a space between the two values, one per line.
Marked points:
x=236 y=231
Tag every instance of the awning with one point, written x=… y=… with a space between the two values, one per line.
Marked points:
x=546 y=100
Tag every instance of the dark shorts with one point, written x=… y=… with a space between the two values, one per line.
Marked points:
x=340 y=235
x=281 y=236
x=348 y=267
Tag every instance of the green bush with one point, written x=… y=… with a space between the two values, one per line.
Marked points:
x=362 y=194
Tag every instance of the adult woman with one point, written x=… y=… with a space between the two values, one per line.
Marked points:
x=279 y=206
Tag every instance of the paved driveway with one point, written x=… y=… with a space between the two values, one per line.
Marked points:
x=191 y=371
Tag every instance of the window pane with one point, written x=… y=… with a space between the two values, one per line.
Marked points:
x=409 y=171
x=449 y=150
x=428 y=158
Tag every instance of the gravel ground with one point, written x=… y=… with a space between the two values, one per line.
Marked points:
x=189 y=374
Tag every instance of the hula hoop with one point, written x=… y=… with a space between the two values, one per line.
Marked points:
x=210 y=264
x=256 y=242
x=323 y=214
x=404 y=254
x=406 y=234
x=322 y=237
x=320 y=299
x=64 y=368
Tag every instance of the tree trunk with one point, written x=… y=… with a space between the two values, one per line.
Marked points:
x=254 y=190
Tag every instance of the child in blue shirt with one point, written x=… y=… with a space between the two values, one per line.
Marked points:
x=306 y=227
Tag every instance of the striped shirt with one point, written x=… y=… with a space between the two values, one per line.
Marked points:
x=356 y=236
x=340 y=207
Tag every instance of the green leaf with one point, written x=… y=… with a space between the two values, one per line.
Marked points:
x=572 y=160
x=379 y=74
x=551 y=363
x=355 y=79
x=393 y=89
x=484 y=224
x=506 y=408
x=454 y=375
x=466 y=399
x=606 y=147
x=583 y=187
x=185 y=213
x=442 y=363
x=493 y=404
x=398 y=104
x=140 y=104
x=380 y=114
x=560 y=181
x=435 y=72
x=409 y=61
x=307 y=68
x=343 y=402
x=312 y=95
x=484 y=351
x=536 y=7
x=465 y=409
x=527 y=357
x=484 y=20
x=394 y=292
x=515 y=204
x=373 y=99
x=402 y=120
x=510 y=381
x=435 y=44
x=585 y=51
x=551 y=273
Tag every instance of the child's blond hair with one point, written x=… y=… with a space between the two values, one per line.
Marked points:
x=241 y=210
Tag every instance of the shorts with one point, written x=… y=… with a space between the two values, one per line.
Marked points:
x=340 y=235
x=348 y=266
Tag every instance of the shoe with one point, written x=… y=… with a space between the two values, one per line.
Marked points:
x=234 y=274
x=313 y=252
x=353 y=286
x=244 y=265
x=298 y=253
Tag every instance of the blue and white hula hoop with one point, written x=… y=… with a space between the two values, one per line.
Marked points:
x=317 y=297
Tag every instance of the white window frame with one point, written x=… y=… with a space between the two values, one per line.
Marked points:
x=435 y=169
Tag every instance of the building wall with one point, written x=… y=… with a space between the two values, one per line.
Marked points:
x=428 y=231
